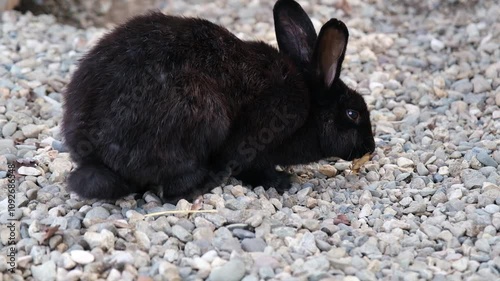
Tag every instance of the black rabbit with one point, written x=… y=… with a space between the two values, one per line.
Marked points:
x=181 y=103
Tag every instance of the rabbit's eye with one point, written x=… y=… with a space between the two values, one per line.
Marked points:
x=352 y=114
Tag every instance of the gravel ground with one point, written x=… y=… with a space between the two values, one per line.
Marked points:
x=426 y=207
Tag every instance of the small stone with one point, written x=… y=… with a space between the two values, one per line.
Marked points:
x=475 y=164
x=97 y=213
x=486 y=159
x=134 y=216
x=404 y=162
x=9 y=129
x=480 y=84
x=104 y=240
x=266 y=272
x=32 y=131
x=45 y=271
x=483 y=245
x=328 y=170
x=311 y=224
x=372 y=176
x=181 y=233
x=460 y=264
x=253 y=245
x=60 y=168
x=243 y=233
x=405 y=202
x=365 y=211
x=303 y=193
x=29 y=171
x=59 y=146
x=82 y=257
x=422 y=170
x=367 y=55
x=444 y=171
x=490 y=229
x=171 y=255
x=342 y=166
x=284 y=231
x=370 y=247
x=202 y=266
x=416 y=207
x=431 y=230
x=402 y=177
x=122 y=257
x=255 y=220
x=66 y=262
x=238 y=191
x=192 y=249
x=54 y=241
x=437 y=45
x=169 y=271
x=307 y=244
x=235 y=204
x=366 y=198
x=488 y=197
x=463 y=86
x=492 y=208
x=455 y=194
x=472 y=178
x=142 y=240
x=115 y=275
x=233 y=270
x=417 y=183
x=438 y=178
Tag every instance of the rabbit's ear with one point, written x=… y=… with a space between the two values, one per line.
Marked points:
x=294 y=31
x=330 y=51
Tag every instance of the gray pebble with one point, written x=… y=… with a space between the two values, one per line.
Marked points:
x=97 y=213
x=242 y=233
x=480 y=84
x=464 y=86
x=31 y=130
x=472 y=178
x=486 y=160
x=181 y=233
x=59 y=146
x=253 y=245
x=9 y=129
x=45 y=271
x=307 y=244
x=416 y=207
x=266 y=272
x=284 y=231
x=81 y=257
x=105 y=239
x=233 y=270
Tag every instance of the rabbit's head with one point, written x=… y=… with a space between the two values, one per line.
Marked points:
x=340 y=113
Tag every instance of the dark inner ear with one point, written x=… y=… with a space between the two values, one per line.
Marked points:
x=294 y=31
x=330 y=50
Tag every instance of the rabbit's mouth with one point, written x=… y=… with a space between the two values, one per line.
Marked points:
x=357 y=151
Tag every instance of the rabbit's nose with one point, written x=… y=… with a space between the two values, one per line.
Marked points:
x=370 y=145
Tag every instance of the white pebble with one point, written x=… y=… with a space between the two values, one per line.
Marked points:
x=82 y=257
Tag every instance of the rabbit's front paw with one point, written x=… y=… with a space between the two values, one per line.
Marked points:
x=266 y=178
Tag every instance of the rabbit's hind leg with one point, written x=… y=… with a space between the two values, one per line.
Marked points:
x=95 y=180
x=188 y=185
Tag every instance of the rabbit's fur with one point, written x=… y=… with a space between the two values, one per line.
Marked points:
x=181 y=103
